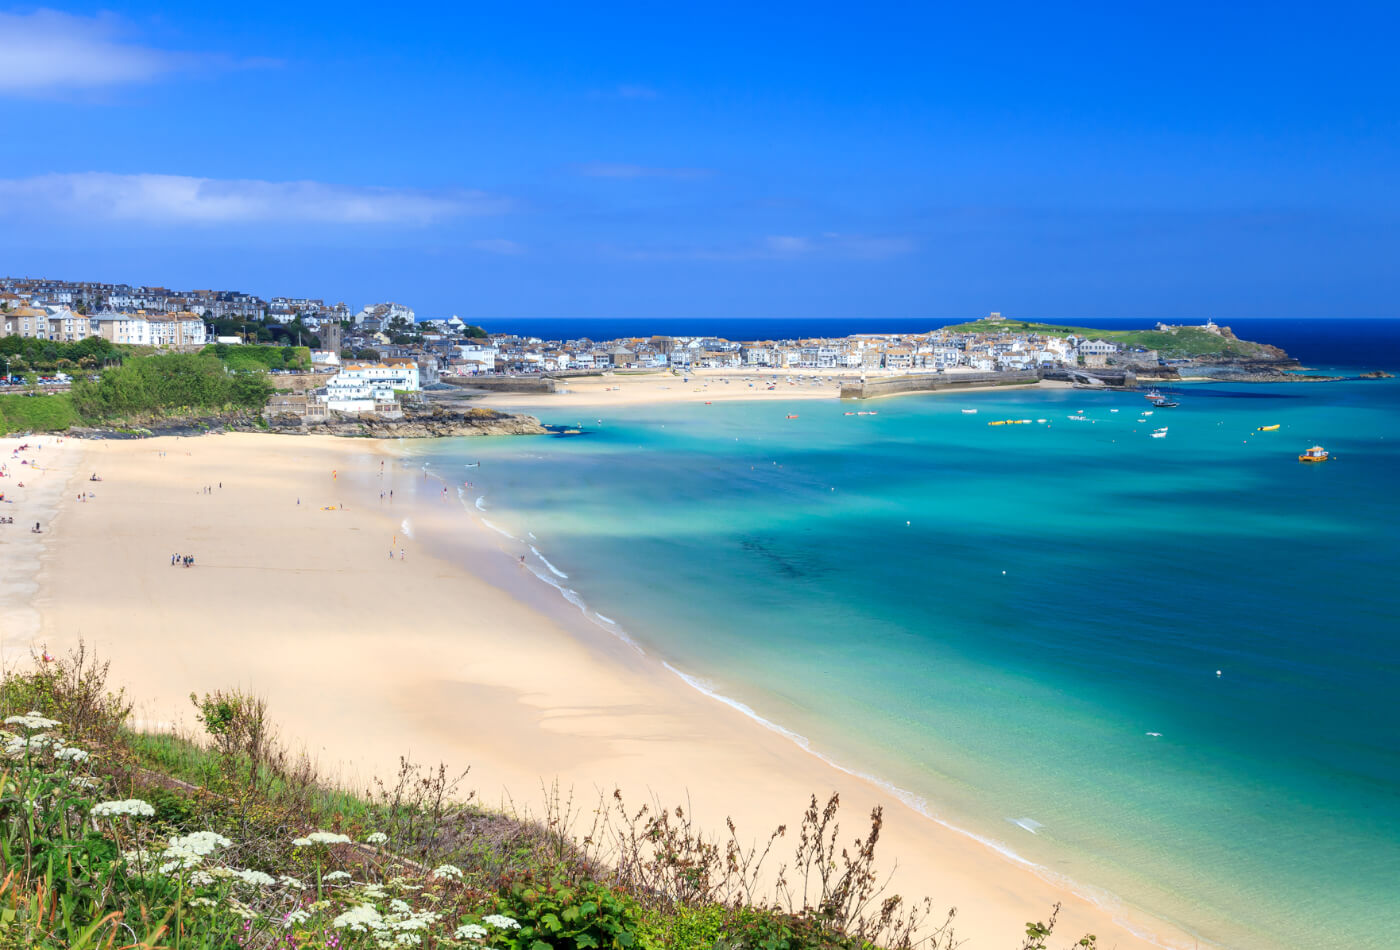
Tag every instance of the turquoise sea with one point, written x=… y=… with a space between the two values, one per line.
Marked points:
x=1164 y=669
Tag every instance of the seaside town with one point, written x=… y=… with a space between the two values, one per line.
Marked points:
x=366 y=360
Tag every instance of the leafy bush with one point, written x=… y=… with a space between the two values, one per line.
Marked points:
x=254 y=358
x=171 y=384
x=557 y=914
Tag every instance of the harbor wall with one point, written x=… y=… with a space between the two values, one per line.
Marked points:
x=503 y=384
x=932 y=382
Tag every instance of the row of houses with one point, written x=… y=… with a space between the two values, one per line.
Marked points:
x=930 y=352
x=65 y=325
x=93 y=296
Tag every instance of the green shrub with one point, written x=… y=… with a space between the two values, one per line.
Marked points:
x=558 y=914
x=172 y=384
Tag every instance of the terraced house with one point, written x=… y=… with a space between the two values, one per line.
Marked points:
x=54 y=323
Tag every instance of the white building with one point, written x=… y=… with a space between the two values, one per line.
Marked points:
x=128 y=328
x=1097 y=348
x=369 y=387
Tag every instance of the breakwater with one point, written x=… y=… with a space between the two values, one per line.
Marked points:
x=503 y=384
x=932 y=382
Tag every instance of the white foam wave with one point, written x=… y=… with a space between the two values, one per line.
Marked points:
x=555 y=570
x=1030 y=824
x=407 y=529
x=575 y=598
x=481 y=503
x=499 y=530
x=605 y=619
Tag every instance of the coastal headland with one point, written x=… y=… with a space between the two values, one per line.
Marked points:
x=317 y=585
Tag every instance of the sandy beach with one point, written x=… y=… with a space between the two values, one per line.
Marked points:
x=312 y=589
x=700 y=386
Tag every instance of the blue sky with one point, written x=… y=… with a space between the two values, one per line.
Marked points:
x=635 y=160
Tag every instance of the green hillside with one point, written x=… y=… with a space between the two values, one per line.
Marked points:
x=1180 y=343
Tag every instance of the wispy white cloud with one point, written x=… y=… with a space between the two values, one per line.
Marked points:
x=619 y=170
x=184 y=200
x=829 y=245
x=498 y=246
x=633 y=91
x=48 y=51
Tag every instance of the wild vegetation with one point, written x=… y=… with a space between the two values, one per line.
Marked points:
x=260 y=358
x=20 y=355
x=111 y=838
x=171 y=384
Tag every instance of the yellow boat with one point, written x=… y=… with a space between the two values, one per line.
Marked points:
x=1315 y=454
x=999 y=422
x=1272 y=428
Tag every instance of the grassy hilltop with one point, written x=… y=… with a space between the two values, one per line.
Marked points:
x=1182 y=343
x=114 y=838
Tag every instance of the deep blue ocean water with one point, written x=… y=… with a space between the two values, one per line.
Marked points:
x=1020 y=627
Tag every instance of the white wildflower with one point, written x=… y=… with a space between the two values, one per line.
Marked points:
x=301 y=842
x=187 y=851
x=408 y=940
x=131 y=806
x=373 y=891
x=501 y=922
x=201 y=878
x=79 y=781
x=337 y=876
x=255 y=878
x=71 y=754
x=361 y=919
x=17 y=746
x=447 y=872
x=400 y=907
x=291 y=882
x=470 y=932
x=378 y=837
x=31 y=720
x=296 y=917
x=136 y=856
x=321 y=837
x=406 y=919
x=203 y=902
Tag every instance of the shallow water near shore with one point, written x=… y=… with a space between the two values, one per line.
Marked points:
x=1020 y=627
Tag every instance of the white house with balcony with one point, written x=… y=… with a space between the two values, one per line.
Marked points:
x=369 y=387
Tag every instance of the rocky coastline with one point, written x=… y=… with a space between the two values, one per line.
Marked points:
x=428 y=422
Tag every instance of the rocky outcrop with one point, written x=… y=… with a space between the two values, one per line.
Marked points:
x=1377 y=374
x=436 y=421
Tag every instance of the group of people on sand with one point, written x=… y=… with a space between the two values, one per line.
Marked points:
x=185 y=560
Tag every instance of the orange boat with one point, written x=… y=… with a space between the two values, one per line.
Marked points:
x=1315 y=454
x=792 y=417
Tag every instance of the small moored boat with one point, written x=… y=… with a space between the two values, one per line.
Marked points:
x=1272 y=428
x=1315 y=454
